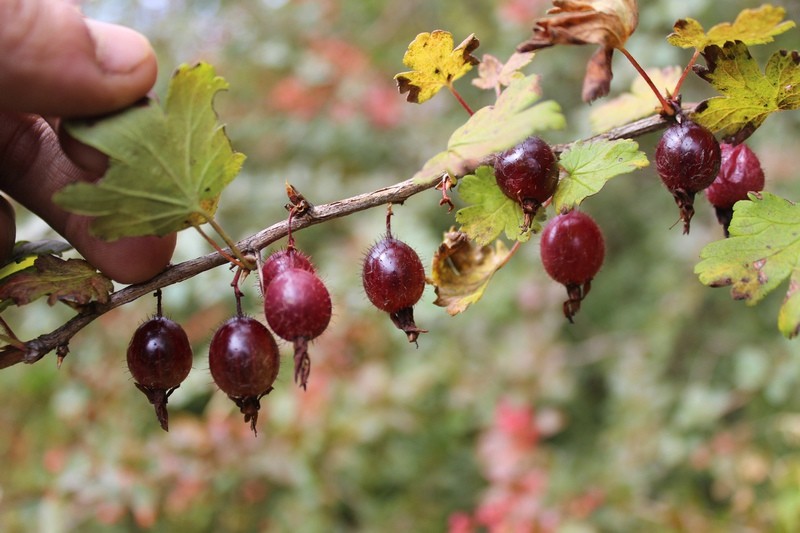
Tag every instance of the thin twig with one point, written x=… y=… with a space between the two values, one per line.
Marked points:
x=318 y=214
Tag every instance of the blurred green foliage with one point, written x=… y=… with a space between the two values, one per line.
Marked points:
x=666 y=407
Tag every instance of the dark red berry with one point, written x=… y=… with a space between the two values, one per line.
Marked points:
x=687 y=159
x=159 y=359
x=282 y=260
x=298 y=309
x=572 y=250
x=739 y=173
x=528 y=174
x=394 y=280
x=244 y=362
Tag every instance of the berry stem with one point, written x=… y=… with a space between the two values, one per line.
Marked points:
x=668 y=109
x=245 y=262
x=260 y=273
x=460 y=100
x=389 y=214
x=289 y=236
x=686 y=71
x=219 y=250
x=517 y=245
x=157 y=294
x=237 y=292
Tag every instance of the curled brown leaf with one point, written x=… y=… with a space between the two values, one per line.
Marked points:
x=607 y=23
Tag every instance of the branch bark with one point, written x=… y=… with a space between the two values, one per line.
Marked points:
x=59 y=338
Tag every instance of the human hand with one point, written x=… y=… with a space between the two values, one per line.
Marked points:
x=54 y=64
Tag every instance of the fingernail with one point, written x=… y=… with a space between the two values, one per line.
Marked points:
x=118 y=49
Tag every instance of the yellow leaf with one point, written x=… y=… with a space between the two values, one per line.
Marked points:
x=435 y=64
x=752 y=26
x=14 y=267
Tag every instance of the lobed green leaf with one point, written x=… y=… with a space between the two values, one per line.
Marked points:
x=749 y=96
x=168 y=166
x=587 y=166
x=762 y=252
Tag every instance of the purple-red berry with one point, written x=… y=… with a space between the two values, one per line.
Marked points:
x=687 y=160
x=394 y=280
x=572 y=250
x=528 y=174
x=159 y=359
x=244 y=361
x=739 y=173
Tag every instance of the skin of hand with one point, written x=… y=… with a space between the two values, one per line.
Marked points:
x=54 y=64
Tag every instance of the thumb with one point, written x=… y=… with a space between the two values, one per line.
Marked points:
x=53 y=61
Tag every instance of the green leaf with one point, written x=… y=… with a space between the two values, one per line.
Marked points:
x=749 y=96
x=167 y=166
x=762 y=252
x=72 y=281
x=495 y=128
x=588 y=166
x=461 y=271
x=491 y=212
x=752 y=26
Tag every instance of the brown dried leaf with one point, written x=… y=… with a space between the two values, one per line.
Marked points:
x=72 y=281
x=608 y=23
x=494 y=74
x=605 y=22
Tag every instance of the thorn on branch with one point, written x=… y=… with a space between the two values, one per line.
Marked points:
x=446 y=184
x=61 y=354
x=298 y=204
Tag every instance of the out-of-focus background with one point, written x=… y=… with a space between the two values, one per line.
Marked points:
x=665 y=407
